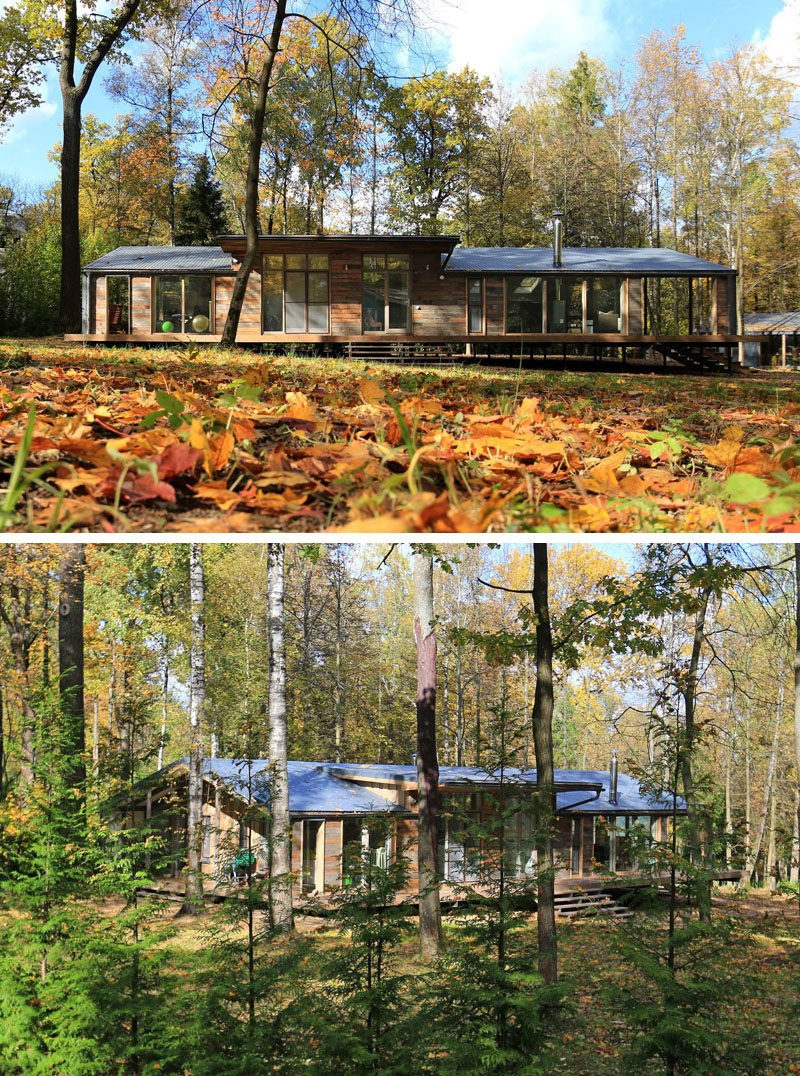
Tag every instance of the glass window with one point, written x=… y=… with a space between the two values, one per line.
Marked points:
x=604 y=304
x=197 y=304
x=206 y=838
x=623 y=857
x=475 y=305
x=564 y=305
x=118 y=296
x=524 y=304
x=183 y=304
x=272 y=299
x=602 y=844
x=667 y=306
x=169 y=304
x=295 y=298
x=385 y=296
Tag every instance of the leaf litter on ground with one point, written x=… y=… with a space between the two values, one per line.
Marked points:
x=155 y=440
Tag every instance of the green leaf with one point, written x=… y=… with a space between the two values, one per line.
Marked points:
x=171 y=404
x=743 y=488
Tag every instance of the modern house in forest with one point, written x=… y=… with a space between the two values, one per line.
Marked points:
x=605 y=820
x=384 y=295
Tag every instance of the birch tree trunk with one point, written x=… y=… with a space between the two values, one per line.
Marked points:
x=430 y=915
x=70 y=659
x=280 y=827
x=193 y=896
x=542 y=720
x=755 y=851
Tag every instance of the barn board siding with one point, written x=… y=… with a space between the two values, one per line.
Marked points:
x=333 y=852
x=635 y=307
x=141 y=296
x=495 y=306
x=99 y=308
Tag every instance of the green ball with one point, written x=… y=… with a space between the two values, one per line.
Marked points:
x=167 y=327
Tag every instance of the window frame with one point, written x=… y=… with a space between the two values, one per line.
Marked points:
x=477 y=279
x=306 y=271
x=183 y=278
x=386 y=295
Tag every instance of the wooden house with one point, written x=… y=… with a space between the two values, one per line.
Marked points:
x=604 y=819
x=384 y=295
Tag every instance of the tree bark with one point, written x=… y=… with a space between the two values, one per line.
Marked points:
x=70 y=660
x=280 y=825
x=193 y=894
x=542 y=721
x=72 y=95
x=255 y=142
x=796 y=866
x=755 y=851
x=430 y=915
x=694 y=842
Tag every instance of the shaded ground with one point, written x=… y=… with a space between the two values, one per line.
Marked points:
x=202 y=440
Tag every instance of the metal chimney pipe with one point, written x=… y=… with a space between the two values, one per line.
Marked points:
x=612 y=788
x=558 y=235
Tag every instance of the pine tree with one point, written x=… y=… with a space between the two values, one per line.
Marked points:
x=201 y=210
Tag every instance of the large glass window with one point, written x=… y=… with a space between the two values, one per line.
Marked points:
x=564 y=305
x=667 y=302
x=475 y=305
x=294 y=293
x=385 y=296
x=118 y=297
x=524 y=304
x=183 y=304
x=604 y=304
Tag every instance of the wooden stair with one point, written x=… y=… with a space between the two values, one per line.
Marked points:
x=580 y=904
x=404 y=351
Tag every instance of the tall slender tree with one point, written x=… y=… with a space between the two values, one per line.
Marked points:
x=193 y=897
x=281 y=832
x=70 y=657
x=542 y=720
x=430 y=916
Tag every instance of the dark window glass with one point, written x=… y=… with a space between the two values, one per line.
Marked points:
x=385 y=295
x=475 y=305
x=564 y=305
x=118 y=295
x=603 y=304
x=523 y=304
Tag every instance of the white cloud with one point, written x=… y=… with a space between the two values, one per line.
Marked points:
x=511 y=37
x=782 y=43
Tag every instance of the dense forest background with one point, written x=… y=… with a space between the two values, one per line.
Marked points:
x=673 y=148
x=351 y=666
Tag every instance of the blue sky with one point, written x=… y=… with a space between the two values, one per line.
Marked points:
x=516 y=37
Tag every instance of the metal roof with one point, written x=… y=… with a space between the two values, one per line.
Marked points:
x=313 y=789
x=627 y=261
x=163 y=260
x=786 y=322
x=329 y=788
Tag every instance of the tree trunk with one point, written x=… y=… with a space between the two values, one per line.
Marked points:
x=193 y=897
x=755 y=851
x=542 y=720
x=694 y=841
x=796 y=846
x=70 y=659
x=255 y=140
x=280 y=826
x=430 y=916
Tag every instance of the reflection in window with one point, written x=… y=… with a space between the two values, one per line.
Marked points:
x=475 y=305
x=294 y=293
x=118 y=295
x=604 y=304
x=385 y=295
x=524 y=304
x=183 y=304
x=564 y=305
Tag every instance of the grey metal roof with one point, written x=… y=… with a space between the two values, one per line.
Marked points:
x=627 y=261
x=313 y=789
x=328 y=788
x=163 y=260
x=786 y=322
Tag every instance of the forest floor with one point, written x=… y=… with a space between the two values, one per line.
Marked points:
x=159 y=440
x=593 y=1031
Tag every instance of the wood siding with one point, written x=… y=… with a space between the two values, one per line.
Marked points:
x=495 y=306
x=99 y=307
x=141 y=300
x=635 y=314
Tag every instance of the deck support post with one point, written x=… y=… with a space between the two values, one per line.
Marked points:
x=729 y=357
